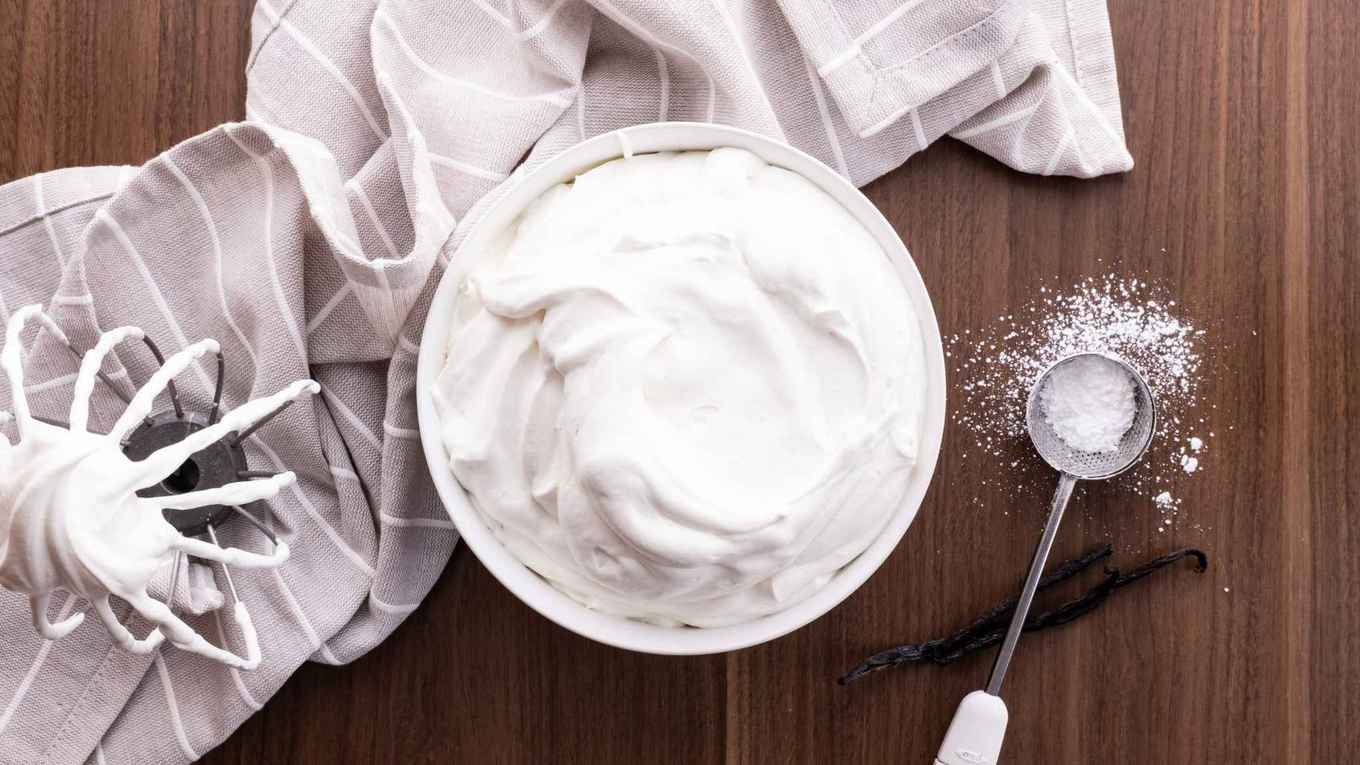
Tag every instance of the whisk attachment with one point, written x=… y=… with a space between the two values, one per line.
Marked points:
x=98 y=514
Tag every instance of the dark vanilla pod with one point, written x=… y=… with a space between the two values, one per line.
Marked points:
x=989 y=628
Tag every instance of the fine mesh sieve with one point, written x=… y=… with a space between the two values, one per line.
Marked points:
x=979 y=725
x=1072 y=465
x=1092 y=466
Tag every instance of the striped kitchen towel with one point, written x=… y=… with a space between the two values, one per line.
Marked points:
x=307 y=239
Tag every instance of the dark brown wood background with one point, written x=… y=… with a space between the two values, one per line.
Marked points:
x=1243 y=119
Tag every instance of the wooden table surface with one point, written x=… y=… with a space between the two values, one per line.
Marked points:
x=1245 y=203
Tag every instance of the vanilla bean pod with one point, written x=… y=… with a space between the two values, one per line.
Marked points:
x=949 y=649
x=989 y=628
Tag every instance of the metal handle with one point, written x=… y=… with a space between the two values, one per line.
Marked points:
x=1036 y=570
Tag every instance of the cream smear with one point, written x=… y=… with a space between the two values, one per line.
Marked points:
x=684 y=388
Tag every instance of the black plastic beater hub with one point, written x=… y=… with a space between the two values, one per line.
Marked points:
x=221 y=463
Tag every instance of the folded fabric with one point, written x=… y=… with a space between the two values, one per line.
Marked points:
x=308 y=239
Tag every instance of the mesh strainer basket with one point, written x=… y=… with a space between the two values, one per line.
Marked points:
x=1092 y=466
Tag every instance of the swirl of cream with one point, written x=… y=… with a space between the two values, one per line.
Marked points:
x=686 y=389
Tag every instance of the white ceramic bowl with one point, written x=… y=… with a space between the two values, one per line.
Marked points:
x=535 y=591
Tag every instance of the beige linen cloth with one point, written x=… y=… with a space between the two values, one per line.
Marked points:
x=306 y=239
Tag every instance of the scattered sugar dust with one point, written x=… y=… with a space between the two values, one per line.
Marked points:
x=996 y=366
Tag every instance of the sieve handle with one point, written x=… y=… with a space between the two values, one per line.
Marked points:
x=975 y=735
x=1036 y=571
x=979 y=726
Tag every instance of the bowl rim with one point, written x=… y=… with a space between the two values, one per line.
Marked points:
x=527 y=585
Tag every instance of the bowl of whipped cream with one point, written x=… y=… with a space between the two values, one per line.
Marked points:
x=681 y=388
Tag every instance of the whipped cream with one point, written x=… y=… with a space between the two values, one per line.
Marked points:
x=684 y=388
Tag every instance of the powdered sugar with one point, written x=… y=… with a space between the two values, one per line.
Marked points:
x=996 y=366
x=1169 y=507
x=1089 y=402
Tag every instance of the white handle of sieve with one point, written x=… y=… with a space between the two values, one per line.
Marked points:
x=975 y=735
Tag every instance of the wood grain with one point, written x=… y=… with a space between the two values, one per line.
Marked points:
x=1242 y=117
